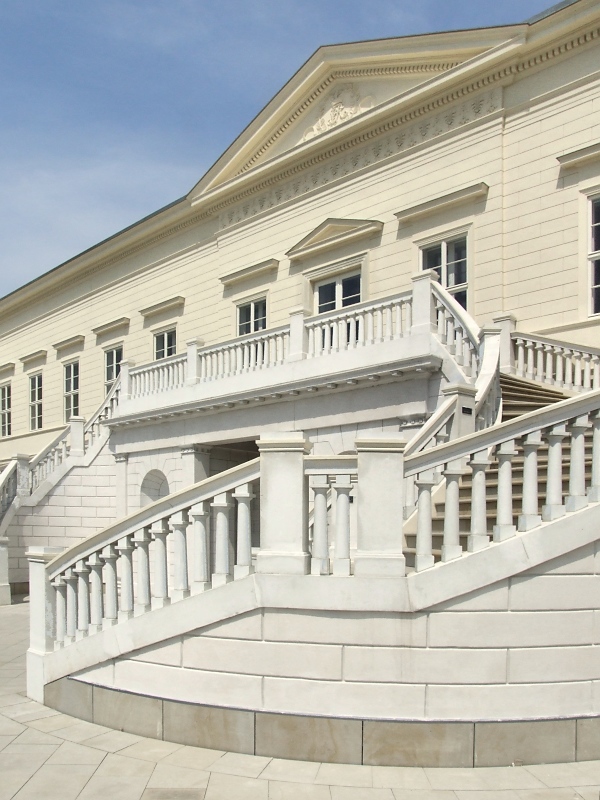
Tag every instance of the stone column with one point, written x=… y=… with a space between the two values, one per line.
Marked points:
x=463 y=423
x=507 y=324
x=42 y=614
x=283 y=504
x=193 y=373
x=380 y=505
x=77 y=425
x=423 y=305
x=195 y=462
x=121 y=488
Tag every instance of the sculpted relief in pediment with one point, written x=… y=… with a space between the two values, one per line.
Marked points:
x=340 y=105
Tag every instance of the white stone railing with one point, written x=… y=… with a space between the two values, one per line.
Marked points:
x=75 y=439
x=359 y=325
x=456 y=330
x=159 y=376
x=244 y=354
x=564 y=422
x=82 y=584
x=556 y=363
x=8 y=486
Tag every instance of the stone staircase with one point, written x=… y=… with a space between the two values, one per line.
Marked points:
x=518 y=397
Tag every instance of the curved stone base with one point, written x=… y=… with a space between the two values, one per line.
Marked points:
x=344 y=741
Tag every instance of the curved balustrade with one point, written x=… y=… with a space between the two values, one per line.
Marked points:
x=456 y=330
x=124 y=570
x=8 y=487
x=245 y=354
x=160 y=376
x=556 y=363
x=559 y=428
x=42 y=466
x=359 y=325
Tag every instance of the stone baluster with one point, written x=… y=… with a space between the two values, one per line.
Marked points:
x=71 y=581
x=61 y=609
x=179 y=523
x=424 y=556
x=549 y=368
x=594 y=492
x=199 y=514
x=125 y=550
x=595 y=372
x=576 y=498
x=504 y=527
x=554 y=507
x=109 y=558
x=530 y=368
x=530 y=516
x=539 y=361
x=560 y=366
x=342 y=488
x=319 y=563
x=520 y=367
x=568 y=368
x=451 y=547
x=587 y=371
x=160 y=533
x=95 y=564
x=478 y=538
x=221 y=506
x=577 y=371
x=450 y=334
x=83 y=598
x=244 y=496
x=141 y=542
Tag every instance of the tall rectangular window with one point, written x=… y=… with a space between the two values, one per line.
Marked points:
x=252 y=316
x=449 y=259
x=595 y=257
x=165 y=344
x=35 y=402
x=71 y=390
x=112 y=366
x=5 y=410
x=337 y=293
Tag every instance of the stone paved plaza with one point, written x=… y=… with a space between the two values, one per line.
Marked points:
x=45 y=754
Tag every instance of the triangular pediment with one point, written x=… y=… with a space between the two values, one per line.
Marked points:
x=333 y=233
x=341 y=86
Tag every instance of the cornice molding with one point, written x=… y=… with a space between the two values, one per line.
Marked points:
x=344 y=74
x=466 y=195
x=245 y=273
x=341 y=232
x=576 y=157
x=172 y=304
x=71 y=342
x=30 y=358
x=115 y=324
x=6 y=370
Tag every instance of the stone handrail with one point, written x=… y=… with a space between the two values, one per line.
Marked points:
x=457 y=330
x=488 y=399
x=568 y=420
x=83 y=579
x=566 y=366
x=245 y=353
x=75 y=439
x=361 y=324
x=8 y=486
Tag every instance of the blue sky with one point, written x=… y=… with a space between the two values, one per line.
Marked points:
x=114 y=108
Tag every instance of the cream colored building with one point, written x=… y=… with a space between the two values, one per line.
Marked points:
x=290 y=304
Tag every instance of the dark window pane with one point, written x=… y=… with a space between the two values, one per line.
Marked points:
x=326 y=297
x=260 y=315
x=595 y=273
x=596 y=212
x=432 y=259
x=461 y=297
x=596 y=300
x=244 y=319
x=351 y=290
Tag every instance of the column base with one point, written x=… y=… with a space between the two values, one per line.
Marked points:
x=79 y=635
x=526 y=522
x=423 y=562
x=240 y=571
x=107 y=623
x=125 y=615
x=160 y=602
x=391 y=565
x=94 y=629
x=274 y=563
x=140 y=609
x=502 y=532
x=341 y=567
x=201 y=586
x=477 y=541
x=220 y=579
x=551 y=512
x=180 y=594
x=450 y=552
x=575 y=503
x=593 y=496
x=319 y=566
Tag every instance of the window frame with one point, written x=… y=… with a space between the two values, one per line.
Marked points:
x=71 y=373
x=116 y=366
x=444 y=238
x=165 y=332
x=5 y=410
x=338 y=280
x=593 y=256
x=251 y=302
x=36 y=404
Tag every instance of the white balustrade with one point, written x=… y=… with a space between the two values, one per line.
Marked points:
x=108 y=579
x=559 y=364
x=457 y=331
x=160 y=376
x=244 y=354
